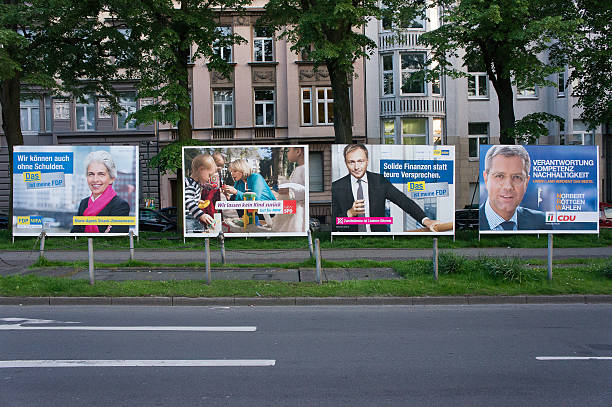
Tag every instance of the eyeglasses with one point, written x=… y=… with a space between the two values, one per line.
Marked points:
x=501 y=178
x=352 y=163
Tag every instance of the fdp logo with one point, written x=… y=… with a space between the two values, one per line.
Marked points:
x=441 y=152
x=23 y=220
x=416 y=186
x=31 y=176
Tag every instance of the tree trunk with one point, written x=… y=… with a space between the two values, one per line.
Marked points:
x=505 y=97
x=11 y=125
x=343 y=126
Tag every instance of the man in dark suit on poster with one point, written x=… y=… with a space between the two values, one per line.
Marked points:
x=362 y=193
x=506 y=175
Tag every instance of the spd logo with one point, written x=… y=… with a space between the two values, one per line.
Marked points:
x=416 y=186
x=31 y=176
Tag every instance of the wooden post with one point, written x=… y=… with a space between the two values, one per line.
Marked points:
x=207 y=257
x=318 y=261
x=42 y=243
x=435 y=258
x=91 y=260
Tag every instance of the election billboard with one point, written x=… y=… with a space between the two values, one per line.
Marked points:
x=393 y=189
x=75 y=190
x=538 y=189
x=245 y=190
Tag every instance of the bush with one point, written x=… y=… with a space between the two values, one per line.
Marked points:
x=450 y=263
x=605 y=269
x=505 y=268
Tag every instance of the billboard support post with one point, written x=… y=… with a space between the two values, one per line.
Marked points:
x=318 y=260
x=207 y=259
x=42 y=243
x=310 y=243
x=91 y=260
x=222 y=247
x=131 y=245
x=550 y=256
x=435 y=258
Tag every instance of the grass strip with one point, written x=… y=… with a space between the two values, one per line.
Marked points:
x=171 y=241
x=458 y=276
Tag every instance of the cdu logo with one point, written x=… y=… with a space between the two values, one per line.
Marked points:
x=550 y=217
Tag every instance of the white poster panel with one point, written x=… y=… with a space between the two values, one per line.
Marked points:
x=245 y=190
x=539 y=189
x=393 y=189
x=75 y=190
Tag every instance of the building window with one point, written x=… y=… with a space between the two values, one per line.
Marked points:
x=223 y=108
x=478 y=134
x=221 y=46
x=387 y=64
x=48 y=114
x=264 y=107
x=103 y=106
x=581 y=135
x=388 y=131
x=530 y=92
x=127 y=102
x=436 y=88
x=30 y=115
x=306 y=106
x=263 y=45
x=86 y=114
x=438 y=126
x=412 y=63
x=414 y=131
x=561 y=85
x=315 y=171
x=61 y=110
x=478 y=85
x=325 y=106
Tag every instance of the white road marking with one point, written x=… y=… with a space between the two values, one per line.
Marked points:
x=574 y=358
x=36 y=321
x=8 y=364
x=130 y=328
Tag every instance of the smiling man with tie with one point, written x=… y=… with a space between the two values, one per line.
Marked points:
x=362 y=193
x=506 y=176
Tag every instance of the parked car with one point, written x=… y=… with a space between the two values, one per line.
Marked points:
x=467 y=218
x=605 y=215
x=154 y=221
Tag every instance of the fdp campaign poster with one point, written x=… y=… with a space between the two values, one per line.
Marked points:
x=538 y=189
x=75 y=190
x=393 y=189
x=245 y=190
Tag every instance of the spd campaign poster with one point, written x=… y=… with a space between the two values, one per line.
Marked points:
x=245 y=190
x=538 y=189
x=393 y=189
x=75 y=190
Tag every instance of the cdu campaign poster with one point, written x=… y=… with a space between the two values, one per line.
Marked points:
x=538 y=189
x=75 y=190
x=245 y=190
x=393 y=189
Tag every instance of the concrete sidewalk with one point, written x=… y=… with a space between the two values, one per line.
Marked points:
x=21 y=259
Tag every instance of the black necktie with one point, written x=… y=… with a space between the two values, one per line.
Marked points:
x=360 y=227
x=507 y=225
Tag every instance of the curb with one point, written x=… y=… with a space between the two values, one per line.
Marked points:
x=305 y=301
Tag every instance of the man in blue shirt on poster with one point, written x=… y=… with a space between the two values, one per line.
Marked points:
x=506 y=176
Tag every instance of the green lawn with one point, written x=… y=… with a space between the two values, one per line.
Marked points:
x=170 y=241
x=457 y=276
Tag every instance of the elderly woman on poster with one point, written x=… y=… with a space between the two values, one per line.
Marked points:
x=101 y=172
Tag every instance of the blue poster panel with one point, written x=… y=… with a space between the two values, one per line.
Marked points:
x=393 y=189
x=75 y=190
x=256 y=191
x=538 y=189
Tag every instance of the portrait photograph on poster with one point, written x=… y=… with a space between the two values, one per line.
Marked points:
x=538 y=189
x=245 y=190
x=393 y=189
x=75 y=190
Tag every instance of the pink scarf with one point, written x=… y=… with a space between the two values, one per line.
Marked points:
x=94 y=207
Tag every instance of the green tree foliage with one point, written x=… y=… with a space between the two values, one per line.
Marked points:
x=53 y=45
x=332 y=33
x=590 y=60
x=509 y=38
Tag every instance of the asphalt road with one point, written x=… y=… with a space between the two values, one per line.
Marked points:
x=322 y=356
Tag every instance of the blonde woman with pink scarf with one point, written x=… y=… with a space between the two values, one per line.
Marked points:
x=103 y=201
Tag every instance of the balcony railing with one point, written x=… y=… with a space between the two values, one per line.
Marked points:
x=413 y=105
x=223 y=134
x=393 y=40
x=264 y=132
